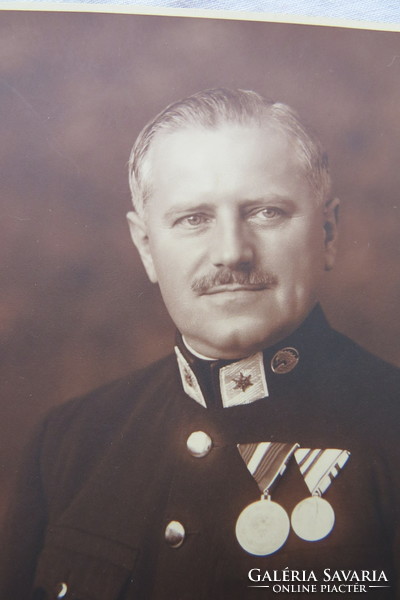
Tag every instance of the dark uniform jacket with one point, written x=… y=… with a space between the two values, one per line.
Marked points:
x=109 y=471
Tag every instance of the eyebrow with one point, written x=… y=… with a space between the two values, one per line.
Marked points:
x=271 y=199
x=183 y=208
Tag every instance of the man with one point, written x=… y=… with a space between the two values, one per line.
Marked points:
x=262 y=454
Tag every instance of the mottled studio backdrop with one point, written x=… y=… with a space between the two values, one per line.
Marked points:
x=75 y=89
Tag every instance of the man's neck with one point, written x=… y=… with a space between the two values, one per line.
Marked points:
x=195 y=353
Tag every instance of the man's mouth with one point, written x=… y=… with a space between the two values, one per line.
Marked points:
x=221 y=289
x=225 y=281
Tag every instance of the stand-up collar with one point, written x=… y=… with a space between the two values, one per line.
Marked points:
x=227 y=383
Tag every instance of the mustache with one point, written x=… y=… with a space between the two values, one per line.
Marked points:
x=254 y=278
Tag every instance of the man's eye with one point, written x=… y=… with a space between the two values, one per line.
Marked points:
x=267 y=214
x=193 y=220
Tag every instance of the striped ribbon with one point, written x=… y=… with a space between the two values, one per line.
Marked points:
x=320 y=467
x=266 y=461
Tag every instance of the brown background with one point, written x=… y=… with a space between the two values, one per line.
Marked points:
x=75 y=307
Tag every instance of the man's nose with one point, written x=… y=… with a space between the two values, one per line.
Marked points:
x=231 y=244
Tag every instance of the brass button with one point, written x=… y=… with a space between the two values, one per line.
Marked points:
x=199 y=444
x=61 y=590
x=285 y=360
x=174 y=534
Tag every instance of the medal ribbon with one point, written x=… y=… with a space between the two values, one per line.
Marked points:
x=266 y=461
x=320 y=467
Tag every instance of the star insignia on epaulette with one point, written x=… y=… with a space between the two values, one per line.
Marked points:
x=242 y=382
x=188 y=377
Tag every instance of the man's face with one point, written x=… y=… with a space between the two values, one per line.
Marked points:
x=234 y=237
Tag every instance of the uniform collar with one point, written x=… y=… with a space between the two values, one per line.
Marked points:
x=220 y=384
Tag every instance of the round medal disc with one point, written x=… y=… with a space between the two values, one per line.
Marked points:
x=313 y=519
x=262 y=527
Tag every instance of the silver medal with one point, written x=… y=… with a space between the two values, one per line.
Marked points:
x=313 y=518
x=262 y=527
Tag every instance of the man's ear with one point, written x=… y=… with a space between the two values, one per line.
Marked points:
x=331 y=216
x=140 y=238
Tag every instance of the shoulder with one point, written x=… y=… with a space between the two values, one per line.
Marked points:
x=78 y=432
x=361 y=365
x=111 y=402
x=365 y=387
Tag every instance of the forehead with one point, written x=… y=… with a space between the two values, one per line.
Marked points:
x=229 y=137
x=229 y=157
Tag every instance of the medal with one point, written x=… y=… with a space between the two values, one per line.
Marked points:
x=313 y=519
x=262 y=527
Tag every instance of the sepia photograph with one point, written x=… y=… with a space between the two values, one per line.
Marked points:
x=200 y=331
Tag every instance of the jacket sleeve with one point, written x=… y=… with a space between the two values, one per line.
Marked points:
x=22 y=532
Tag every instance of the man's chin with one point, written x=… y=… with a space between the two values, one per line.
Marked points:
x=232 y=344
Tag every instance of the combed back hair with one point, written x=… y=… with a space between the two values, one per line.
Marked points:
x=214 y=108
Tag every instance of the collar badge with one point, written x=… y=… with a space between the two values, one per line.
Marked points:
x=188 y=377
x=285 y=360
x=189 y=382
x=242 y=382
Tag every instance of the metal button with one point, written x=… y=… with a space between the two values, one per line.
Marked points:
x=61 y=590
x=199 y=444
x=174 y=534
x=285 y=360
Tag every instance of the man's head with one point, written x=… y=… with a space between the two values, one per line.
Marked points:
x=233 y=218
x=210 y=109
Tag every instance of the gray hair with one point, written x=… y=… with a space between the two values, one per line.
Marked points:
x=212 y=108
